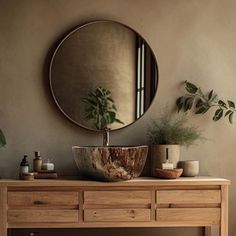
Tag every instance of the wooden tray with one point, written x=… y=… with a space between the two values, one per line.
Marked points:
x=168 y=174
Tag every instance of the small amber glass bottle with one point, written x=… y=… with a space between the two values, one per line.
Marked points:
x=37 y=161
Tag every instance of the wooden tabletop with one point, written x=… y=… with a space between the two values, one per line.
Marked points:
x=141 y=181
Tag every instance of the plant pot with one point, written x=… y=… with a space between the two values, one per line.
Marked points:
x=158 y=156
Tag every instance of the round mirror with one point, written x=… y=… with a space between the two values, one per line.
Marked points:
x=103 y=75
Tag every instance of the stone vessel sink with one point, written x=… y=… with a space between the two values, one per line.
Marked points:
x=112 y=163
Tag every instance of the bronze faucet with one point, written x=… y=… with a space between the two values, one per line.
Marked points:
x=106 y=137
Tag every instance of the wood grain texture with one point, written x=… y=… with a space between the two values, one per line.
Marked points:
x=31 y=216
x=117 y=197
x=81 y=204
x=224 y=211
x=117 y=215
x=138 y=182
x=3 y=211
x=189 y=205
x=189 y=215
x=188 y=196
x=153 y=205
x=142 y=202
x=118 y=224
x=29 y=198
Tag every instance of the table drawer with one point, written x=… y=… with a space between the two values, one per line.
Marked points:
x=41 y=198
x=117 y=197
x=188 y=196
x=42 y=216
x=188 y=216
x=116 y=215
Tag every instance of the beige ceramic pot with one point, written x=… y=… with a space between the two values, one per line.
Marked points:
x=190 y=168
x=158 y=156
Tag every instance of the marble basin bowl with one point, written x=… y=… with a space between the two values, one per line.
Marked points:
x=110 y=163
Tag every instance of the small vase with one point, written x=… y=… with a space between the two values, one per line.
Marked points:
x=158 y=155
x=190 y=168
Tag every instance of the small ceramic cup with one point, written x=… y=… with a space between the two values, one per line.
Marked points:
x=190 y=168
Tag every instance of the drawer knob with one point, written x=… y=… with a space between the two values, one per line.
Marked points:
x=38 y=203
x=33 y=234
x=132 y=214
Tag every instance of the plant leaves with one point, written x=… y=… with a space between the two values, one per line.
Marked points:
x=210 y=95
x=180 y=103
x=222 y=104
x=112 y=116
x=190 y=87
x=204 y=102
x=114 y=107
x=207 y=107
x=172 y=130
x=90 y=101
x=228 y=112
x=89 y=116
x=199 y=103
x=110 y=99
x=103 y=123
x=119 y=121
x=231 y=117
x=100 y=92
x=188 y=103
x=231 y=104
x=202 y=109
x=214 y=98
x=100 y=108
x=218 y=114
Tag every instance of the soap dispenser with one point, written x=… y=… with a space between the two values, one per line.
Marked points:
x=24 y=166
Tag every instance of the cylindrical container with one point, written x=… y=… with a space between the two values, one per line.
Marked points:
x=37 y=162
x=190 y=168
x=158 y=156
x=24 y=166
x=48 y=166
x=27 y=176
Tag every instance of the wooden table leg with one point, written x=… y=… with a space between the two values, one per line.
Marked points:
x=224 y=211
x=207 y=231
x=3 y=211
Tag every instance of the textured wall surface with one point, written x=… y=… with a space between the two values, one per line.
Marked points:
x=192 y=40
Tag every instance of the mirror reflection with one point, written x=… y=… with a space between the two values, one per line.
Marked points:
x=103 y=75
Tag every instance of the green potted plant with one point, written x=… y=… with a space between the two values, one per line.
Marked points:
x=167 y=134
x=100 y=109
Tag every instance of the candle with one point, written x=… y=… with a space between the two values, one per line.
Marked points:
x=47 y=165
x=167 y=165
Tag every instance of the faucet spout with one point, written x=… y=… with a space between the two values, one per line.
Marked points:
x=106 y=137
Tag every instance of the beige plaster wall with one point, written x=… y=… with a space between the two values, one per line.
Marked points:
x=192 y=40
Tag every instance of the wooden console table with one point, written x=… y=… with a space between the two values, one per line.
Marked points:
x=143 y=202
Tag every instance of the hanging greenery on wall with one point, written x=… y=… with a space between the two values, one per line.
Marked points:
x=200 y=102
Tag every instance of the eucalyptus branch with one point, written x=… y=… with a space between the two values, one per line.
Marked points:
x=201 y=103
